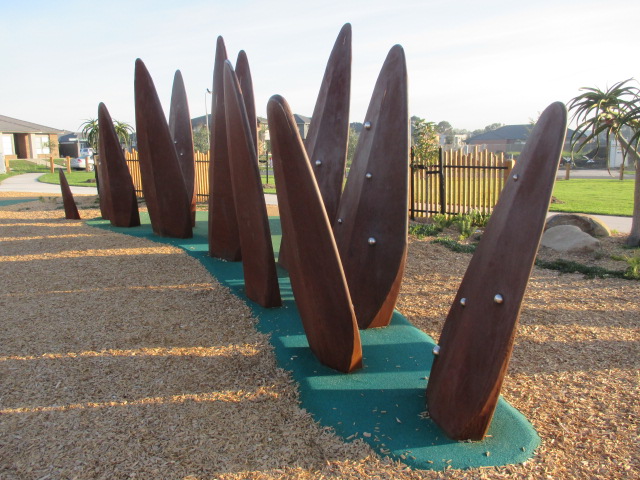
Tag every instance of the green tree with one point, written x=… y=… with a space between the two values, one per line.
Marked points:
x=424 y=140
x=351 y=145
x=609 y=112
x=201 y=139
x=124 y=131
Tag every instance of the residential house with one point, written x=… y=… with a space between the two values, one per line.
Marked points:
x=22 y=139
x=508 y=139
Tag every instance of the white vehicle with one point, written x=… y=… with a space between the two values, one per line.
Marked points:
x=80 y=163
x=86 y=152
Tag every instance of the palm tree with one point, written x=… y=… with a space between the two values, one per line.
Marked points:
x=91 y=131
x=608 y=112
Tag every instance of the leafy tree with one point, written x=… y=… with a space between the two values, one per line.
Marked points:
x=351 y=145
x=609 y=112
x=201 y=139
x=444 y=128
x=424 y=140
x=124 y=131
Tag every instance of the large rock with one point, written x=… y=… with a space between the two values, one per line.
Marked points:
x=569 y=239
x=586 y=223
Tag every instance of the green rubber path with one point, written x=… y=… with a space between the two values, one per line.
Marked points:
x=384 y=403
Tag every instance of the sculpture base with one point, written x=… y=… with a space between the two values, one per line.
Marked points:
x=384 y=403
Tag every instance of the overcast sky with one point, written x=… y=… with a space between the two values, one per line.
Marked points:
x=470 y=63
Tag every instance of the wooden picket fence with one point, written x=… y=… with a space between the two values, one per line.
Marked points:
x=458 y=183
x=202 y=174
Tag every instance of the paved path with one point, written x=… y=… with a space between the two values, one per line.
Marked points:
x=28 y=182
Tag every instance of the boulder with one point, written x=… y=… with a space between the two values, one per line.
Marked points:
x=586 y=223
x=569 y=239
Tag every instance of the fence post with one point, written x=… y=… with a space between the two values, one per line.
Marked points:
x=567 y=171
x=509 y=164
x=7 y=164
x=86 y=164
x=443 y=199
x=68 y=164
x=411 y=170
x=51 y=168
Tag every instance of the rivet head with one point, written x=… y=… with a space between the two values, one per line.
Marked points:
x=368 y=175
x=498 y=299
x=318 y=163
x=463 y=302
x=340 y=220
x=367 y=125
x=372 y=241
x=515 y=177
x=175 y=141
x=436 y=350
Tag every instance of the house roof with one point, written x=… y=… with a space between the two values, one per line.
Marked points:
x=508 y=132
x=13 y=125
x=301 y=119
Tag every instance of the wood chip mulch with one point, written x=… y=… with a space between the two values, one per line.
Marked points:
x=123 y=358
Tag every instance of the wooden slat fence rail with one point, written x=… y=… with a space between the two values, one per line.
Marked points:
x=202 y=174
x=458 y=183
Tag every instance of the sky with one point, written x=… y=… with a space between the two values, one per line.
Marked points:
x=469 y=63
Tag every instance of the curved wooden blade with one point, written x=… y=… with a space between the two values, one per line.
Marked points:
x=371 y=228
x=326 y=142
x=477 y=337
x=328 y=134
x=224 y=238
x=182 y=134
x=70 y=208
x=246 y=87
x=317 y=279
x=258 y=263
x=162 y=183
x=116 y=184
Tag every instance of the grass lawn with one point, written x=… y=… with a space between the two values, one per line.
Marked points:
x=602 y=197
x=79 y=178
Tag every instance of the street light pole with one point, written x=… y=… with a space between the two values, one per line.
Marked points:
x=206 y=115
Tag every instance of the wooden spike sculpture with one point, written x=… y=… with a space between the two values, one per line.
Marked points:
x=371 y=225
x=70 y=208
x=246 y=87
x=162 y=183
x=224 y=238
x=477 y=338
x=258 y=263
x=317 y=278
x=116 y=185
x=182 y=134
x=326 y=142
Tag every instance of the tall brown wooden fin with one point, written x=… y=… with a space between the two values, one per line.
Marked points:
x=243 y=72
x=326 y=142
x=224 y=238
x=162 y=183
x=70 y=208
x=477 y=338
x=258 y=263
x=317 y=279
x=182 y=134
x=371 y=224
x=116 y=184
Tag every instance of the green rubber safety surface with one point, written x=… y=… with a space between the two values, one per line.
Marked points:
x=12 y=201
x=384 y=403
